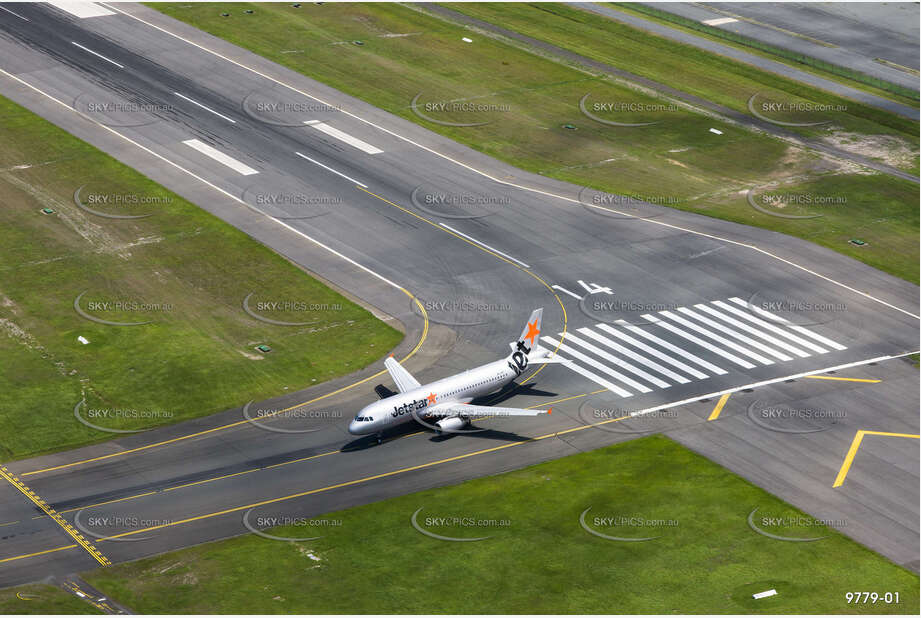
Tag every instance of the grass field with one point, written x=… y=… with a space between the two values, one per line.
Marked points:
x=41 y=599
x=676 y=161
x=538 y=558
x=181 y=269
x=870 y=208
x=687 y=68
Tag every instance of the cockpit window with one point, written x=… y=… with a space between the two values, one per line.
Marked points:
x=363 y=418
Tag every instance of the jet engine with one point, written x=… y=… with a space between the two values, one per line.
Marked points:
x=450 y=424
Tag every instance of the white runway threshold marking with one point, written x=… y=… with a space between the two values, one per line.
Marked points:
x=326 y=167
x=344 y=137
x=220 y=157
x=82 y=9
x=204 y=107
x=98 y=55
x=607 y=356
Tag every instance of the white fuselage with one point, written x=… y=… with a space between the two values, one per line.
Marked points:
x=459 y=388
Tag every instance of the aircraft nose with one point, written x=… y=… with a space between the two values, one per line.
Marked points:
x=354 y=427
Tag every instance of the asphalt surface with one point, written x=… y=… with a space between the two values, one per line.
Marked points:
x=477 y=270
x=855 y=34
x=872 y=29
x=755 y=60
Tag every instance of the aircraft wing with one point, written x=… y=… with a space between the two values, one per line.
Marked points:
x=402 y=378
x=472 y=411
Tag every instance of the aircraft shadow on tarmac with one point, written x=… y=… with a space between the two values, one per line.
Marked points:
x=510 y=390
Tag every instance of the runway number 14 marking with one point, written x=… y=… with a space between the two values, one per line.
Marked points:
x=590 y=288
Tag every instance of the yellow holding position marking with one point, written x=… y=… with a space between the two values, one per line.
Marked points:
x=50 y=512
x=858 y=438
x=719 y=407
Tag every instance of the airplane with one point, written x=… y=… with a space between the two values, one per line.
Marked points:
x=448 y=399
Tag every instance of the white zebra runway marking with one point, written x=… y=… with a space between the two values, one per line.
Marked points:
x=717 y=331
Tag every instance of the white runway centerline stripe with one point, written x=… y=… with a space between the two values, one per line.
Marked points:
x=326 y=167
x=220 y=157
x=483 y=244
x=708 y=333
x=732 y=333
x=3 y=8
x=652 y=351
x=594 y=377
x=671 y=348
x=781 y=344
x=207 y=109
x=98 y=55
x=631 y=355
x=82 y=9
x=789 y=324
x=719 y=21
x=698 y=341
x=344 y=137
x=771 y=327
x=588 y=360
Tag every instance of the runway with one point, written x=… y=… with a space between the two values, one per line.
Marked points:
x=656 y=309
x=866 y=38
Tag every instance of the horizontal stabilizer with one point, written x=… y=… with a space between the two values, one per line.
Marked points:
x=541 y=355
x=383 y=392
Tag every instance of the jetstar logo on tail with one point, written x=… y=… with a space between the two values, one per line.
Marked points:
x=519 y=360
